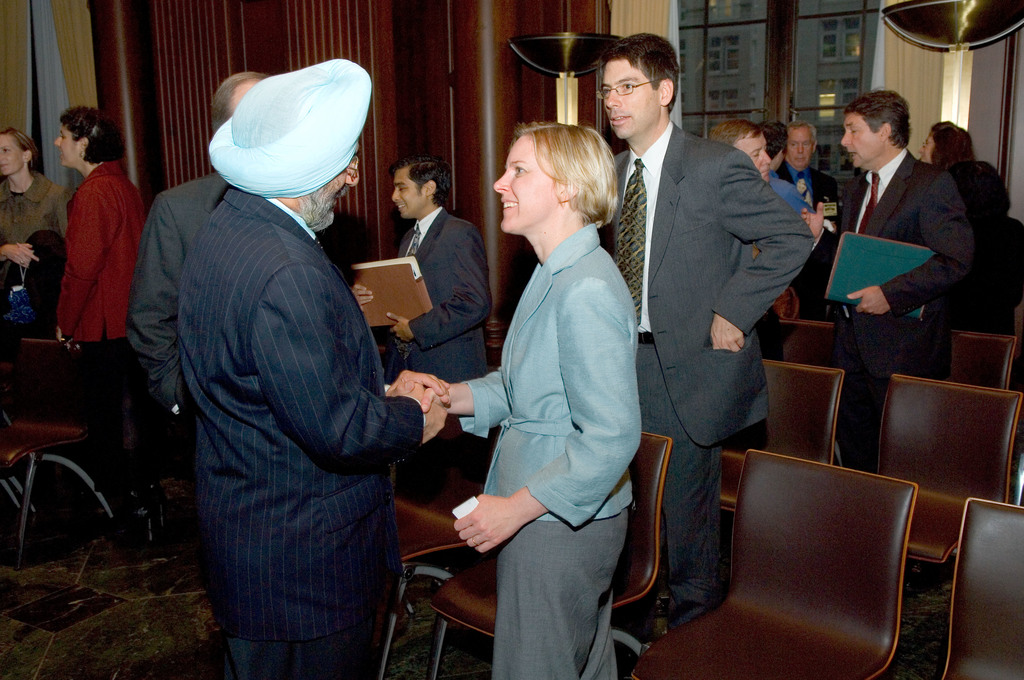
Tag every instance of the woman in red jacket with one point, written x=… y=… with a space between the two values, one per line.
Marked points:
x=105 y=219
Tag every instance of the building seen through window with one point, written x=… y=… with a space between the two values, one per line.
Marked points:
x=726 y=46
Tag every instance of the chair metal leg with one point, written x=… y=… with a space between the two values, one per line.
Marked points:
x=17 y=487
x=629 y=641
x=409 y=571
x=7 y=488
x=437 y=647
x=1020 y=480
x=26 y=501
x=68 y=463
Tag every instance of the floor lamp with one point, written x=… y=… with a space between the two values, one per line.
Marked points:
x=564 y=56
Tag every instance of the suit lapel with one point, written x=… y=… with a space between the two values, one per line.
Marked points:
x=891 y=198
x=672 y=173
x=428 y=241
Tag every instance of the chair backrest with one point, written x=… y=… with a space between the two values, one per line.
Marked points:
x=822 y=545
x=806 y=342
x=988 y=594
x=46 y=384
x=983 y=359
x=638 y=565
x=803 y=404
x=953 y=439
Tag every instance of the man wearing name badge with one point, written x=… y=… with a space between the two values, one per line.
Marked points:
x=447 y=341
x=820 y=193
x=901 y=199
x=691 y=211
x=295 y=430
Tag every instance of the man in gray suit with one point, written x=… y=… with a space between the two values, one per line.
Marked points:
x=173 y=221
x=691 y=211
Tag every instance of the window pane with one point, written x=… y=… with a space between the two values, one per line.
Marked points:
x=737 y=65
x=691 y=70
x=830 y=156
x=724 y=11
x=833 y=51
x=691 y=13
x=808 y=7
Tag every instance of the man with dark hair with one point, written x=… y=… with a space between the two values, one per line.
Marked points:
x=691 y=210
x=901 y=199
x=173 y=220
x=447 y=341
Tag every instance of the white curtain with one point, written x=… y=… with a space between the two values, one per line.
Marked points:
x=660 y=17
x=53 y=92
x=16 y=70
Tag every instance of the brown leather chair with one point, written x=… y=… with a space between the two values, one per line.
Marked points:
x=470 y=597
x=46 y=413
x=983 y=359
x=426 y=491
x=818 y=555
x=986 y=639
x=807 y=342
x=955 y=441
x=803 y=403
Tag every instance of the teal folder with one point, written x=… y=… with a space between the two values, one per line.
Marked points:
x=863 y=261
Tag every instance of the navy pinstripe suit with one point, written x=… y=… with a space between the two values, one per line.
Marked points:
x=295 y=510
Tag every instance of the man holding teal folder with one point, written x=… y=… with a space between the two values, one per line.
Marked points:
x=900 y=199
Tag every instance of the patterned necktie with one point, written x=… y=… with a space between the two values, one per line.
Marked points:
x=870 y=207
x=414 y=244
x=801 y=187
x=632 y=237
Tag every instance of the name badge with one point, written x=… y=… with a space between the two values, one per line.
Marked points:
x=831 y=209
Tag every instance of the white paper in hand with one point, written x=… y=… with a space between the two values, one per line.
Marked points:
x=465 y=507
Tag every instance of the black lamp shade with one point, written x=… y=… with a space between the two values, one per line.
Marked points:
x=943 y=24
x=557 y=53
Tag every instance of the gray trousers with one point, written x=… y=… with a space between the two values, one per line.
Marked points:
x=554 y=601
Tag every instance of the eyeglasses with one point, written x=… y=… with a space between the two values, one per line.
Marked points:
x=623 y=90
x=353 y=168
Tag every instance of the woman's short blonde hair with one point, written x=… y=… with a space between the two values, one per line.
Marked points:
x=577 y=157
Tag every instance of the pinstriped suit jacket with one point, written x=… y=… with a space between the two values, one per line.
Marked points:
x=295 y=510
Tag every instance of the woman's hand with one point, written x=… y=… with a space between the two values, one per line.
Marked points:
x=18 y=253
x=497 y=519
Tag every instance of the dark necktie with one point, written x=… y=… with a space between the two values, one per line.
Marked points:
x=872 y=202
x=414 y=244
x=629 y=248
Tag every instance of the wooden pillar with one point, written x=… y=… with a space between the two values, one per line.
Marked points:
x=124 y=84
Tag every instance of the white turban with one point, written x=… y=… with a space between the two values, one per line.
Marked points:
x=291 y=134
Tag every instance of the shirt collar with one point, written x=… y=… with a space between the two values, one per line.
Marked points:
x=425 y=223
x=887 y=171
x=654 y=157
x=294 y=215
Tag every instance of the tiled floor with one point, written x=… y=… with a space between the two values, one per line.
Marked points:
x=93 y=604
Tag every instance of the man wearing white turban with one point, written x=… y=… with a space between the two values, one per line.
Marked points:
x=295 y=429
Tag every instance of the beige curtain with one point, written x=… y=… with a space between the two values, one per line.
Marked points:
x=74 y=39
x=639 y=16
x=915 y=73
x=15 y=69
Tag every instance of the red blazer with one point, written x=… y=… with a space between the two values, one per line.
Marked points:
x=105 y=218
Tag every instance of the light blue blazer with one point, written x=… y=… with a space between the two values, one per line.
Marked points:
x=566 y=394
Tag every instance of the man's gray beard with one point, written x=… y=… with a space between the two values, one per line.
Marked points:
x=317 y=209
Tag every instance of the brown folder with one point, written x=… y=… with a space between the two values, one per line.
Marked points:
x=397 y=286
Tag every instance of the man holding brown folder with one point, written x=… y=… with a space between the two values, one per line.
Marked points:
x=447 y=341
x=901 y=199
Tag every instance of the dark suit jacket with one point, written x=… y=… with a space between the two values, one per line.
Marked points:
x=823 y=187
x=449 y=339
x=920 y=205
x=176 y=216
x=294 y=501
x=712 y=205
x=811 y=282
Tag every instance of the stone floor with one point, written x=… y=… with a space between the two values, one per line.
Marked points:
x=92 y=603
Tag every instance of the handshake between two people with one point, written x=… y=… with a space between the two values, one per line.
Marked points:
x=431 y=393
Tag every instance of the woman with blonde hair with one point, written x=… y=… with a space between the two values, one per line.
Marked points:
x=566 y=399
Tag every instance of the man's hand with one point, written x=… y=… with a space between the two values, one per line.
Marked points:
x=422 y=387
x=19 y=253
x=725 y=336
x=815 y=220
x=872 y=300
x=496 y=519
x=401 y=327
x=433 y=420
x=362 y=293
